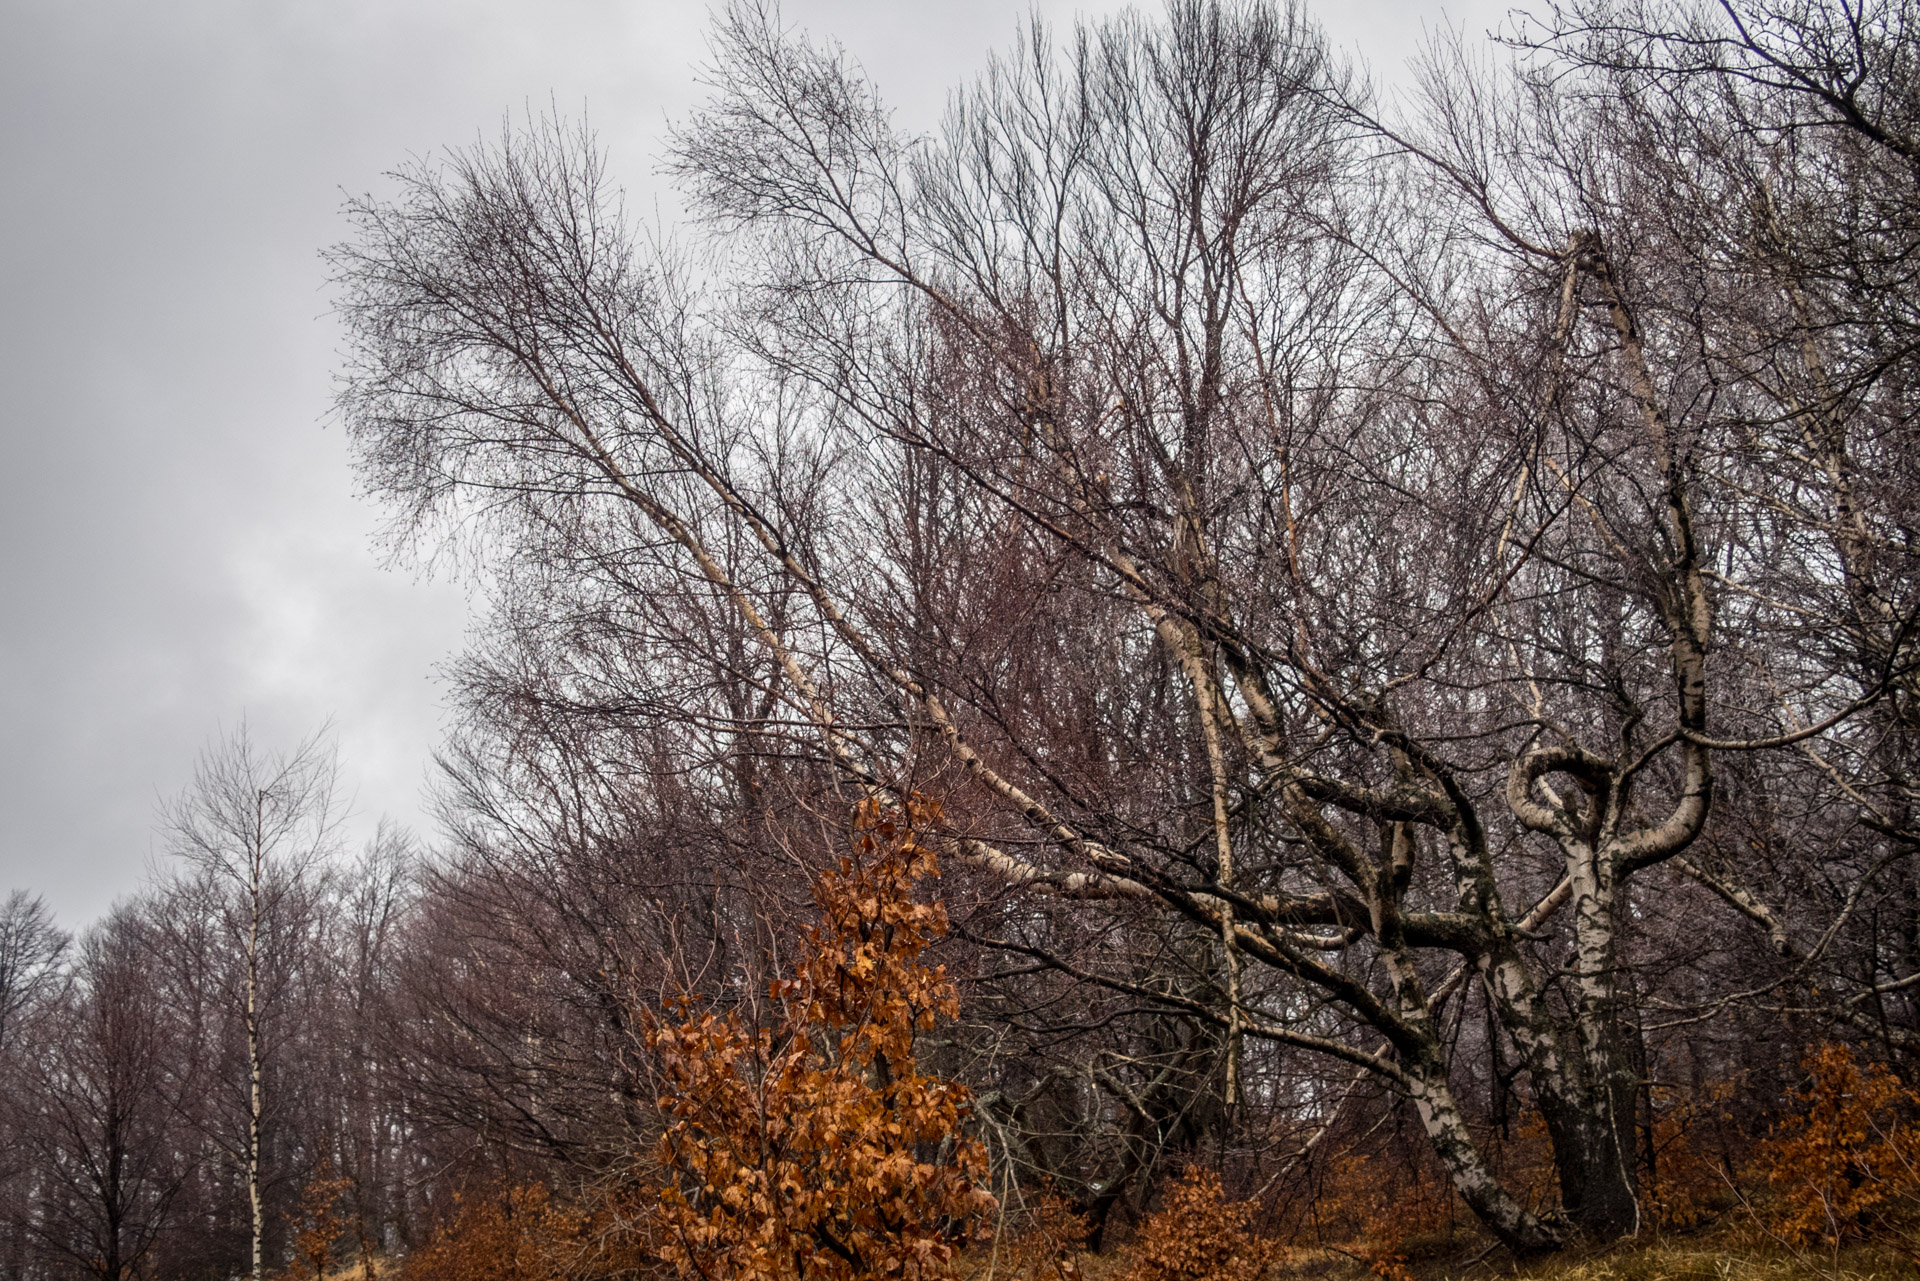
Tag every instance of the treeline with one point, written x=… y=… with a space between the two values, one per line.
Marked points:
x=175 y=1074
x=1407 y=610
x=269 y=1072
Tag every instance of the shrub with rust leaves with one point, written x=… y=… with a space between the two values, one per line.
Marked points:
x=1046 y=1246
x=1198 y=1235
x=319 y=1223
x=1374 y=1202
x=514 y=1234
x=1846 y=1160
x=1688 y=1179
x=815 y=1148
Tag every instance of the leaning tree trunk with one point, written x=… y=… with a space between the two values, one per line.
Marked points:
x=1518 y=1228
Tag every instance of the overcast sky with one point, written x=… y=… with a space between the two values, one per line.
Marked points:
x=180 y=543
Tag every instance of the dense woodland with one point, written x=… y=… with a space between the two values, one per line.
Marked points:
x=1205 y=641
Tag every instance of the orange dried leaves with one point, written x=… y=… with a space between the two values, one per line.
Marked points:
x=518 y=1234
x=1046 y=1246
x=1848 y=1155
x=815 y=1147
x=319 y=1222
x=1198 y=1235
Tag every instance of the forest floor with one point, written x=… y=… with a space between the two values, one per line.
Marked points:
x=1703 y=1259
x=1667 y=1260
x=1673 y=1261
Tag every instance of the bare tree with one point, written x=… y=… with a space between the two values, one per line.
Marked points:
x=31 y=948
x=569 y=888
x=105 y=1088
x=1797 y=220
x=363 y=949
x=33 y=952
x=254 y=826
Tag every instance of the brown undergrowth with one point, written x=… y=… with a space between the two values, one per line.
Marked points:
x=800 y=1137
x=1831 y=1192
x=809 y=1144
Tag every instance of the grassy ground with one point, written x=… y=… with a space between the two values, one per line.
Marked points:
x=1689 y=1261
x=1701 y=1260
x=1708 y=1259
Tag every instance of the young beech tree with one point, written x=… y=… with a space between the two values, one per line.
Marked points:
x=814 y=1147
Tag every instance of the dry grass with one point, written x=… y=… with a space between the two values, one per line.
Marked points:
x=1702 y=1262
x=1699 y=1260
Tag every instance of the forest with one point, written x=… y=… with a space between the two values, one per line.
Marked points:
x=1210 y=671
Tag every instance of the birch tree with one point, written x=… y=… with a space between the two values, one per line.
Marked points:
x=254 y=826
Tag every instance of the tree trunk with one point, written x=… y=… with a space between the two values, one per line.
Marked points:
x=1582 y=1081
x=1594 y=1159
x=255 y=1091
x=254 y=1202
x=1590 y=1117
x=1519 y=1229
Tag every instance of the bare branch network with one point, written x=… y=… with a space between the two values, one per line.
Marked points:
x=1407 y=609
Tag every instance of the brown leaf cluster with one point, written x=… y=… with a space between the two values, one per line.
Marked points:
x=1046 y=1245
x=1846 y=1160
x=516 y=1234
x=1198 y=1235
x=814 y=1146
x=320 y=1223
